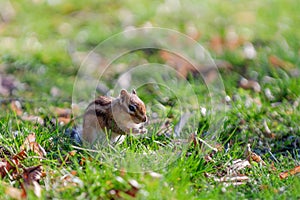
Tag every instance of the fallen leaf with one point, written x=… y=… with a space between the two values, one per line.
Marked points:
x=21 y=155
x=251 y=156
x=232 y=39
x=273 y=168
x=38 y=149
x=267 y=132
x=69 y=179
x=249 y=51
x=7 y=11
x=31 y=174
x=208 y=71
x=32 y=118
x=277 y=62
x=66 y=158
x=249 y=84
x=269 y=94
x=135 y=187
x=15 y=193
x=55 y=92
x=62 y=115
x=29 y=139
x=73 y=172
x=237 y=165
x=62 y=112
x=64 y=120
x=16 y=107
x=165 y=128
x=239 y=178
x=37 y=189
x=182 y=66
x=7 y=85
x=11 y=165
x=291 y=172
x=155 y=174
x=30 y=144
x=4 y=152
x=192 y=31
x=228 y=180
x=216 y=44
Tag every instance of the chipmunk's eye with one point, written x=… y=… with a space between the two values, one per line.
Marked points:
x=131 y=108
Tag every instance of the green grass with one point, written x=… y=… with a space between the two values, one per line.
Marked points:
x=39 y=48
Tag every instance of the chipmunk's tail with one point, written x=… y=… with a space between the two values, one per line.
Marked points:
x=75 y=134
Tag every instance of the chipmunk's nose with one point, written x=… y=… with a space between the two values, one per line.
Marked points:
x=144 y=118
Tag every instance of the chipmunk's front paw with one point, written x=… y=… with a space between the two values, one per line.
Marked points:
x=143 y=130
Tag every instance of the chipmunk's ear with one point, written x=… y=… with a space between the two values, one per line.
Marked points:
x=124 y=95
x=133 y=91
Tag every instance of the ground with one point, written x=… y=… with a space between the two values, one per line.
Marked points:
x=48 y=76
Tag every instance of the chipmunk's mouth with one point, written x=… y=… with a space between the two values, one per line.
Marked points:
x=139 y=119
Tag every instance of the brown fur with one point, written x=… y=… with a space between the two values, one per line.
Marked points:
x=112 y=114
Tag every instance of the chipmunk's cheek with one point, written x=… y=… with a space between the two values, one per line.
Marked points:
x=134 y=119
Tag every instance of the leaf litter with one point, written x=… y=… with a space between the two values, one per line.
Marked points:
x=27 y=177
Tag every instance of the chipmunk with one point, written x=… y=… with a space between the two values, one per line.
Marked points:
x=121 y=116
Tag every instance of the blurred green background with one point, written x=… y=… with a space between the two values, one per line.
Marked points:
x=42 y=42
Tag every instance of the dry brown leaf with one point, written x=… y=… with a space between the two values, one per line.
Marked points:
x=216 y=44
x=32 y=145
x=277 y=62
x=273 y=168
x=238 y=178
x=7 y=84
x=155 y=174
x=192 y=31
x=16 y=107
x=37 y=189
x=165 y=128
x=21 y=155
x=249 y=84
x=64 y=120
x=29 y=139
x=256 y=158
x=237 y=165
x=267 y=132
x=62 y=115
x=251 y=156
x=208 y=70
x=38 y=149
x=182 y=66
x=62 y=112
x=135 y=187
x=230 y=42
x=69 y=179
x=15 y=193
x=66 y=158
x=11 y=165
x=32 y=118
x=192 y=138
x=31 y=174
x=291 y=172
x=208 y=158
x=73 y=172
x=4 y=152
x=228 y=180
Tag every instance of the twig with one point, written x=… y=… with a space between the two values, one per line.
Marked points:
x=208 y=145
x=85 y=149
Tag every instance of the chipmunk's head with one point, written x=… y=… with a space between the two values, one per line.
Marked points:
x=134 y=106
